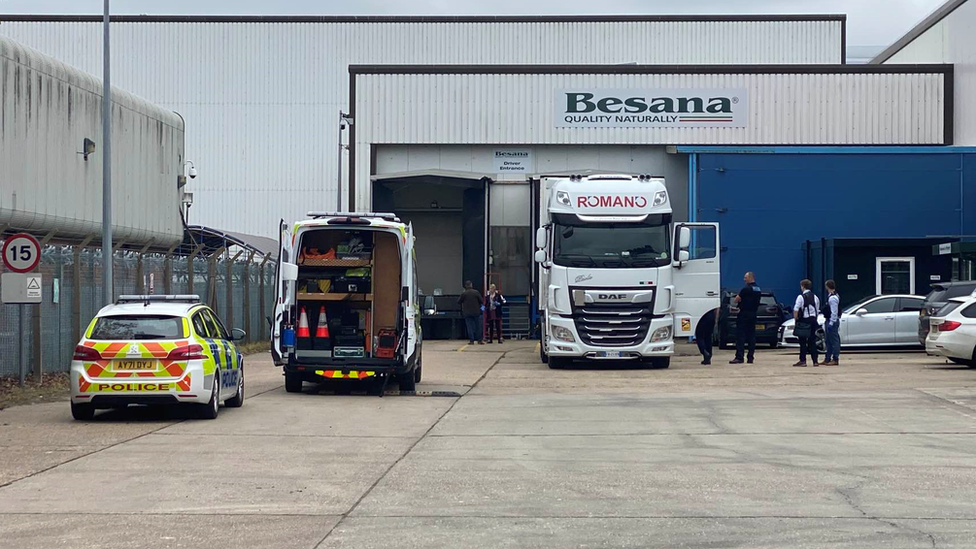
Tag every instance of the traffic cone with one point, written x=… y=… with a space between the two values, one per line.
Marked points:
x=322 y=328
x=302 y=333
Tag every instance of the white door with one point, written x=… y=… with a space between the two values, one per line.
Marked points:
x=895 y=275
x=876 y=326
x=697 y=280
x=906 y=319
x=411 y=305
x=284 y=291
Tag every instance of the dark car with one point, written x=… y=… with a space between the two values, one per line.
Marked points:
x=941 y=293
x=768 y=320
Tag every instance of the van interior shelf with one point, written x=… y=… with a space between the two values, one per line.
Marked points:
x=336 y=263
x=302 y=296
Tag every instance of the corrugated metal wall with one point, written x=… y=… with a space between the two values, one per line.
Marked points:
x=261 y=100
x=951 y=41
x=48 y=110
x=784 y=109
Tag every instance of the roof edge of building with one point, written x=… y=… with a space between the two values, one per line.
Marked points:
x=920 y=68
x=623 y=18
x=921 y=28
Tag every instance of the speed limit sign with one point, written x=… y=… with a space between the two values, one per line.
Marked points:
x=21 y=253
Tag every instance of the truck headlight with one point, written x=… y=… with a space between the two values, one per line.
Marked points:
x=563 y=334
x=661 y=334
x=660 y=198
x=563 y=198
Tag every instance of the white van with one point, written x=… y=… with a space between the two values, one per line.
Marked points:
x=347 y=302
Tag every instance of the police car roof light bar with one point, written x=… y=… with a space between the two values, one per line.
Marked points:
x=381 y=215
x=192 y=298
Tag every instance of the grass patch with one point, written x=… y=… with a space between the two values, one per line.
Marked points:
x=53 y=388
x=255 y=347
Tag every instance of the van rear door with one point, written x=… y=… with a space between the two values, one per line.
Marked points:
x=285 y=277
x=696 y=279
x=410 y=306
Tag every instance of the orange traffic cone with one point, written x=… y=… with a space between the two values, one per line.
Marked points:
x=303 y=326
x=322 y=329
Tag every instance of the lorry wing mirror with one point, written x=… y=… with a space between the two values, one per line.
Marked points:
x=541 y=237
x=684 y=239
x=540 y=256
x=289 y=271
x=683 y=256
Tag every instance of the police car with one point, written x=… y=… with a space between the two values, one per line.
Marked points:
x=157 y=349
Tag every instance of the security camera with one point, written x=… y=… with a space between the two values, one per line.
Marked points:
x=193 y=172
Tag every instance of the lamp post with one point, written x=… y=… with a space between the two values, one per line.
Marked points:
x=107 y=275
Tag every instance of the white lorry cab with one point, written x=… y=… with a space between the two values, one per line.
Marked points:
x=618 y=279
x=347 y=301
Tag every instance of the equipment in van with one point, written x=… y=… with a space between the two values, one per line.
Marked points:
x=387 y=343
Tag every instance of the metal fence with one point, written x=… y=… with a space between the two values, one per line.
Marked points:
x=239 y=288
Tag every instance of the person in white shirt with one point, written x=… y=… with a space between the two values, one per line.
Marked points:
x=805 y=311
x=832 y=325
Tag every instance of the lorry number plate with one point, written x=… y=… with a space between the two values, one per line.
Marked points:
x=608 y=354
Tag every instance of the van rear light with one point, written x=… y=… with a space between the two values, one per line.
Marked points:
x=949 y=325
x=87 y=354
x=187 y=352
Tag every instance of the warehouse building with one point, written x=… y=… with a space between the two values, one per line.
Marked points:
x=757 y=123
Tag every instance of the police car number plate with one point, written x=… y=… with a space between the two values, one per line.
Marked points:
x=125 y=365
x=608 y=354
x=760 y=327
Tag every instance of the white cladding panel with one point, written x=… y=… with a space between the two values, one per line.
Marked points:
x=49 y=109
x=951 y=40
x=517 y=109
x=261 y=100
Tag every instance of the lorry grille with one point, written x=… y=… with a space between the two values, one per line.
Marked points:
x=612 y=324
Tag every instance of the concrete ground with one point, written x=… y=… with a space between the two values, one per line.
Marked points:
x=878 y=452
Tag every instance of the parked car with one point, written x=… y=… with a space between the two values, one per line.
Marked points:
x=769 y=318
x=953 y=331
x=157 y=350
x=941 y=293
x=875 y=321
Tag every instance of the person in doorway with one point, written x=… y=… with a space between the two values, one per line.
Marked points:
x=805 y=316
x=494 y=302
x=832 y=325
x=745 y=322
x=703 y=336
x=471 y=306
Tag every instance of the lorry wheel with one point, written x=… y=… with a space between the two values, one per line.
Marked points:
x=293 y=382
x=542 y=353
x=82 y=412
x=418 y=373
x=660 y=362
x=407 y=382
x=558 y=362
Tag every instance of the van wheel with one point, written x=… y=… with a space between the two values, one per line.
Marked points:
x=407 y=382
x=212 y=408
x=293 y=382
x=238 y=399
x=82 y=412
x=418 y=373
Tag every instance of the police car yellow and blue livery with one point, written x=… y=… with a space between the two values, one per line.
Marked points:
x=157 y=350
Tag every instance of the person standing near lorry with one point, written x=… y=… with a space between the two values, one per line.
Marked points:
x=805 y=316
x=745 y=322
x=831 y=314
x=703 y=336
x=494 y=302
x=471 y=306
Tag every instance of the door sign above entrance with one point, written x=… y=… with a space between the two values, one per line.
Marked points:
x=512 y=161
x=639 y=108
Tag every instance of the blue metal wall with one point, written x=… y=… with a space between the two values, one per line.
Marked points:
x=770 y=204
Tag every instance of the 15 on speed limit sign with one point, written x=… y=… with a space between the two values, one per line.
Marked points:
x=21 y=253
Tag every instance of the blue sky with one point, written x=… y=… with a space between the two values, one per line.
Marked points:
x=870 y=22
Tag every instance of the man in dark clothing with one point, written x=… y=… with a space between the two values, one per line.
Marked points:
x=703 y=336
x=471 y=304
x=745 y=321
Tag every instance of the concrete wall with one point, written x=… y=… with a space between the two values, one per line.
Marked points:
x=49 y=109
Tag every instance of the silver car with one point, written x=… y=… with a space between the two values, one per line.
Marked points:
x=875 y=321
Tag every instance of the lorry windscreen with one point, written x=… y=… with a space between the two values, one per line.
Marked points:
x=612 y=245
